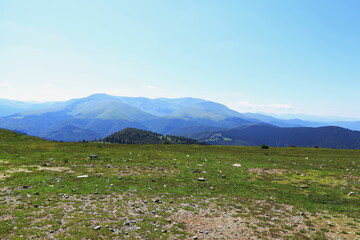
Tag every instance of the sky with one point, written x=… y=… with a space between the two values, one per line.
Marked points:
x=279 y=56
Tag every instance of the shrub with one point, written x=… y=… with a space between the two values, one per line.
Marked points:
x=264 y=146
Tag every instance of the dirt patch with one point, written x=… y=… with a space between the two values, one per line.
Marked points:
x=55 y=169
x=352 y=177
x=222 y=226
x=15 y=170
x=267 y=170
x=3 y=176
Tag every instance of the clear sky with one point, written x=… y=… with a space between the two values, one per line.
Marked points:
x=279 y=56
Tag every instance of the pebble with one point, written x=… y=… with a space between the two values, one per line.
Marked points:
x=201 y=179
x=97 y=227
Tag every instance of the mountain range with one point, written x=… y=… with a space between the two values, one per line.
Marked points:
x=100 y=115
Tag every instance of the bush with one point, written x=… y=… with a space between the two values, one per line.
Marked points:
x=264 y=146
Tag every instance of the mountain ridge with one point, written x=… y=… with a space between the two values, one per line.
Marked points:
x=100 y=115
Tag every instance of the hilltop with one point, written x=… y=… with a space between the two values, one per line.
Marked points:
x=138 y=136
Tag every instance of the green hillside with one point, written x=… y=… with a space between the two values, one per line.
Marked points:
x=54 y=190
x=138 y=136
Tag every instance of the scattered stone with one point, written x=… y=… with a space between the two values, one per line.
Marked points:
x=92 y=156
x=26 y=187
x=36 y=193
x=36 y=206
x=236 y=165
x=119 y=177
x=97 y=227
x=194 y=237
x=223 y=176
x=201 y=179
x=351 y=193
x=83 y=176
x=157 y=201
x=304 y=186
x=153 y=180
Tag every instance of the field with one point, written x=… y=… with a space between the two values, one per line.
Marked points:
x=53 y=190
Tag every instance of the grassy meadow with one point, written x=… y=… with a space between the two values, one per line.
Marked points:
x=53 y=190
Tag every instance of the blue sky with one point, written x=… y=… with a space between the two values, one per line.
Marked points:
x=279 y=56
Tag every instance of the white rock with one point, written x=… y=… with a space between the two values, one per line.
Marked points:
x=83 y=176
x=236 y=165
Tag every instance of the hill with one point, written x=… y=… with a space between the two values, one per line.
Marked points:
x=258 y=134
x=138 y=136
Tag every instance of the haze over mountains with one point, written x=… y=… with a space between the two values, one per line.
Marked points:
x=101 y=115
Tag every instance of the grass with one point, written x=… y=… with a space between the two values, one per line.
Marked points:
x=153 y=192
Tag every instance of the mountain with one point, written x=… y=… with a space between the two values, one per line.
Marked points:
x=258 y=134
x=101 y=115
x=10 y=107
x=69 y=133
x=138 y=136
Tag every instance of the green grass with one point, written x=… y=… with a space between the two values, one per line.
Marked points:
x=286 y=193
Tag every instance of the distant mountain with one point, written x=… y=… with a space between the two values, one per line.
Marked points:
x=10 y=107
x=69 y=133
x=101 y=115
x=138 y=136
x=258 y=134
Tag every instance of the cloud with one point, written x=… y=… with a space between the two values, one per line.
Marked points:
x=245 y=106
x=4 y=85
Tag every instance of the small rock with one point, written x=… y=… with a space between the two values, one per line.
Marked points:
x=194 y=237
x=36 y=193
x=223 y=176
x=36 y=206
x=351 y=193
x=82 y=176
x=201 y=179
x=236 y=165
x=304 y=186
x=157 y=201
x=92 y=156
x=97 y=227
